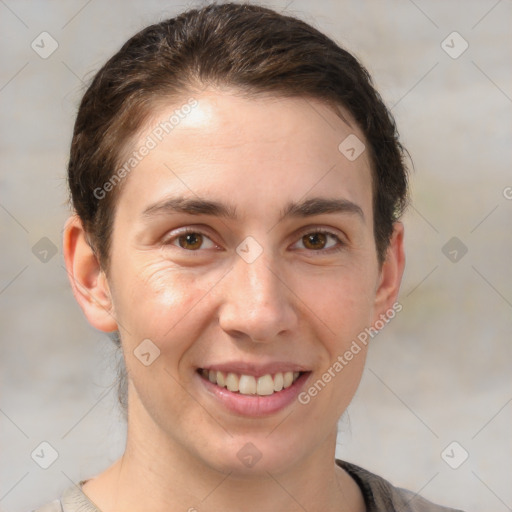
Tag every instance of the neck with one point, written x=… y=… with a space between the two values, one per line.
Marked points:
x=156 y=473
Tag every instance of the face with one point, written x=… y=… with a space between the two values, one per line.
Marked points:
x=243 y=249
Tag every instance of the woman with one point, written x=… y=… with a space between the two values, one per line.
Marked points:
x=237 y=186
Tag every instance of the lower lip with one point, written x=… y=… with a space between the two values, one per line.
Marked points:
x=255 y=405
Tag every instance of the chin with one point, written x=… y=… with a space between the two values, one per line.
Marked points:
x=247 y=456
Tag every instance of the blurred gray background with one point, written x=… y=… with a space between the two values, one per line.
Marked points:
x=438 y=374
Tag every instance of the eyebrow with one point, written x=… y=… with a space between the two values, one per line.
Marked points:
x=200 y=206
x=319 y=206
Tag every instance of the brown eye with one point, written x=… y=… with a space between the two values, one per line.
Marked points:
x=191 y=241
x=314 y=241
x=322 y=242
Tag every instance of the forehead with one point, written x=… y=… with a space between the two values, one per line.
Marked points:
x=257 y=152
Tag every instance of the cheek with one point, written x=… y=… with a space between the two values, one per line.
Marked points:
x=159 y=304
x=344 y=307
x=155 y=301
x=342 y=300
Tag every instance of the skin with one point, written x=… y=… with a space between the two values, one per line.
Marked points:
x=297 y=302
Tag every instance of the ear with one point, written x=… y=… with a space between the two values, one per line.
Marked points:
x=391 y=273
x=87 y=278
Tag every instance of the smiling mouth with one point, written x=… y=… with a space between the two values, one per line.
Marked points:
x=242 y=384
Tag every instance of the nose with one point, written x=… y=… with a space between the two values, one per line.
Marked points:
x=257 y=302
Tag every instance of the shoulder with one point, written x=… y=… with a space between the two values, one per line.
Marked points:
x=72 y=500
x=381 y=496
x=54 y=506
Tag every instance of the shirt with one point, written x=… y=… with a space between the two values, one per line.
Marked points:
x=379 y=496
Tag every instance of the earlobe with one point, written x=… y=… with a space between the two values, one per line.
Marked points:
x=391 y=273
x=87 y=278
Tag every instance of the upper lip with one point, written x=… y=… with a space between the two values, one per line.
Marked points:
x=255 y=369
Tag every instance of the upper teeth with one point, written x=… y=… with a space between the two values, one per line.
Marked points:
x=250 y=385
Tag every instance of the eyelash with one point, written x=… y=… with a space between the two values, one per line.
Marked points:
x=339 y=247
